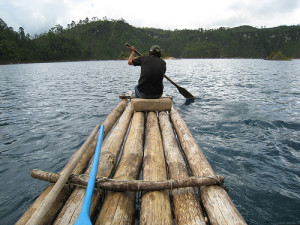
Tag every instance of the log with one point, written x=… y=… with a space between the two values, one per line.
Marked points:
x=161 y=104
x=217 y=203
x=155 y=207
x=187 y=208
x=113 y=117
x=80 y=167
x=63 y=195
x=128 y=95
x=46 y=204
x=132 y=185
x=138 y=185
x=221 y=207
x=54 y=209
x=108 y=123
x=108 y=158
x=119 y=207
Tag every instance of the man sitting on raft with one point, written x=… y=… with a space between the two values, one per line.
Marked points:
x=153 y=68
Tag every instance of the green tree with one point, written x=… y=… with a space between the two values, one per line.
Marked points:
x=21 y=33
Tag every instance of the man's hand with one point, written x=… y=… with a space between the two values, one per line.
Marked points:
x=132 y=49
x=131 y=57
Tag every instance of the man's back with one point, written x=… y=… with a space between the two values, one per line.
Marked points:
x=152 y=70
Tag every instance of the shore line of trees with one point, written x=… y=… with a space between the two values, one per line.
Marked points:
x=101 y=39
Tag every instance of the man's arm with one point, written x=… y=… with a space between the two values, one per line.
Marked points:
x=131 y=57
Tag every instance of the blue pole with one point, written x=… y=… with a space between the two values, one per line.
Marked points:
x=84 y=216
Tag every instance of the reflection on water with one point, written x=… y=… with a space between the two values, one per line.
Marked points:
x=245 y=119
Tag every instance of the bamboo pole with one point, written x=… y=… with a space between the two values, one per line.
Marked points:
x=119 y=207
x=109 y=153
x=132 y=185
x=187 y=208
x=155 y=207
x=80 y=167
x=217 y=203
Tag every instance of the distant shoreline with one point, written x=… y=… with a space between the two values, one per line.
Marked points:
x=167 y=58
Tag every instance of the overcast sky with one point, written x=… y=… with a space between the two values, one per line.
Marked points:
x=38 y=16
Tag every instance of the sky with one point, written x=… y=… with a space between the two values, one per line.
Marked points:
x=38 y=16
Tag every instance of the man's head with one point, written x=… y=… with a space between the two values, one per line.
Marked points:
x=155 y=50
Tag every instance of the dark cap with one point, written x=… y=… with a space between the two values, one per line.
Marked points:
x=155 y=48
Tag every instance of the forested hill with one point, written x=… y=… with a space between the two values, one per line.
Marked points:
x=105 y=39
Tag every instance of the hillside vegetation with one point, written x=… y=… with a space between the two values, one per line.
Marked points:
x=105 y=39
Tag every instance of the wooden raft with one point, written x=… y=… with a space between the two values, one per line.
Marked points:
x=151 y=142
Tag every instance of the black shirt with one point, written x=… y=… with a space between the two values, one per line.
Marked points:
x=152 y=73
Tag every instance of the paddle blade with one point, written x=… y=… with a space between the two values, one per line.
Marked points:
x=181 y=90
x=185 y=93
x=83 y=219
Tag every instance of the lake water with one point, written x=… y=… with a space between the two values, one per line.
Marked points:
x=246 y=121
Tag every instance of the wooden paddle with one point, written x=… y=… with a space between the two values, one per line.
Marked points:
x=181 y=90
x=84 y=216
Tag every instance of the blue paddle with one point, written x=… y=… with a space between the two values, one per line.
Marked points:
x=84 y=216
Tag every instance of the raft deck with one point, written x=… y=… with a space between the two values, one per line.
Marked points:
x=148 y=144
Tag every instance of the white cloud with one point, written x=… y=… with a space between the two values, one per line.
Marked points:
x=37 y=16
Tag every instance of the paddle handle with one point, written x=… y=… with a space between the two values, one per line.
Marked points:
x=84 y=216
x=136 y=51
x=171 y=81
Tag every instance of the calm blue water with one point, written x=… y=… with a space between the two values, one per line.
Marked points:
x=246 y=121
